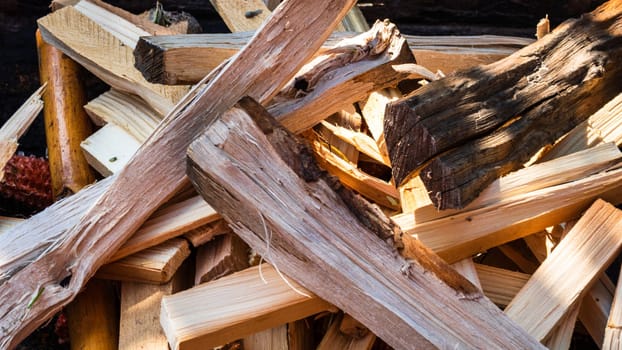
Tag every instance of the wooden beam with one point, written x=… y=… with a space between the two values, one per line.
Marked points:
x=157 y=170
x=103 y=54
x=155 y=265
x=186 y=59
x=312 y=235
x=578 y=260
x=462 y=132
x=198 y=318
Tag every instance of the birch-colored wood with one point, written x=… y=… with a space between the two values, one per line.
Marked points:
x=225 y=255
x=127 y=111
x=157 y=170
x=613 y=331
x=140 y=312
x=175 y=59
x=500 y=285
x=108 y=57
x=274 y=338
x=493 y=119
x=109 y=149
x=572 y=167
x=199 y=318
x=335 y=339
x=563 y=277
x=361 y=141
x=519 y=256
x=471 y=232
x=17 y=125
x=312 y=233
x=601 y=127
x=595 y=308
x=561 y=336
x=168 y=222
x=155 y=265
x=93 y=317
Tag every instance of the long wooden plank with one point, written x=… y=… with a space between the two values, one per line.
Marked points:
x=176 y=59
x=224 y=310
x=158 y=169
x=576 y=262
x=311 y=232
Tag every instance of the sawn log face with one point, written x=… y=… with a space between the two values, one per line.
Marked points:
x=462 y=132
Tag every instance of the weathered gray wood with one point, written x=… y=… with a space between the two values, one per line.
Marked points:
x=462 y=132
x=157 y=170
x=266 y=184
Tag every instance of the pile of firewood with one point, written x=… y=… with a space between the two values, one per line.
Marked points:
x=306 y=182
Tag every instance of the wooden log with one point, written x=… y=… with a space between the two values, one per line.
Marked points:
x=273 y=338
x=17 y=125
x=198 y=318
x=207 y=232
x=157 y=170
x=361 y=141
x=561 y=336
x=103 y=54
x=351 y=327
x=176 y=59
x=613 y=333
x=310 y=229
x=502 y=114
x=582 y=255
x=93 y=317
x=481 y=229
x=109 y=149
x=335 y=339
x=223 y=256
x=241 y=16
x=595 y=308
x=156 y=265
x=300 y=335
x=140 y=311
x=66 y=122
x=127 y=111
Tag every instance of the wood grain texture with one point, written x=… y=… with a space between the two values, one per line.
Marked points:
x=224 y=255
x=157 y=170
x=309 y=230
x=563 y=277
x=241 y=15
x=462 y=132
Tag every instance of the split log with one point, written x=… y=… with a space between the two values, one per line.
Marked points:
x=500 y=285
x=335 y=339
x=241 y=16
x=207 y=232
x=223 y=256
x=157 y=171
x=140 y=311
x=310 y=232
x=578 y=260
x=463 y=132
x=198 y=318
x=613 y=331
x=103 y=54
x=17 y=125
x=109 y=149
x=185 y=59
x=273 y=338
x=66 y=122
x=155 y=265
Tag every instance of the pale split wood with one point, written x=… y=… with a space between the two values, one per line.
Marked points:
x=274 y=338
x=613 y=333
x=561 y=336
x=595 y=307
x=500 y=285
x=197 y=318
x=109 y=149
x=207 y=232
x=434 y=311
x=467 y=268
x=568 y=168
x=241 y=15
x=168 y=222
x=127 y=111
x=17 y=125
x=155 y=265
x=471 y=232
x=335 y=339
x=140 y=311
x=157 y=170
x=361 y=141
x=573 y=266
x=104 y=55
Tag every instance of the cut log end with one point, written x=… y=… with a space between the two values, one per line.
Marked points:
x=150 y=62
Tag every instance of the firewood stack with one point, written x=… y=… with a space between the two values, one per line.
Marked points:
x=309 y=181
